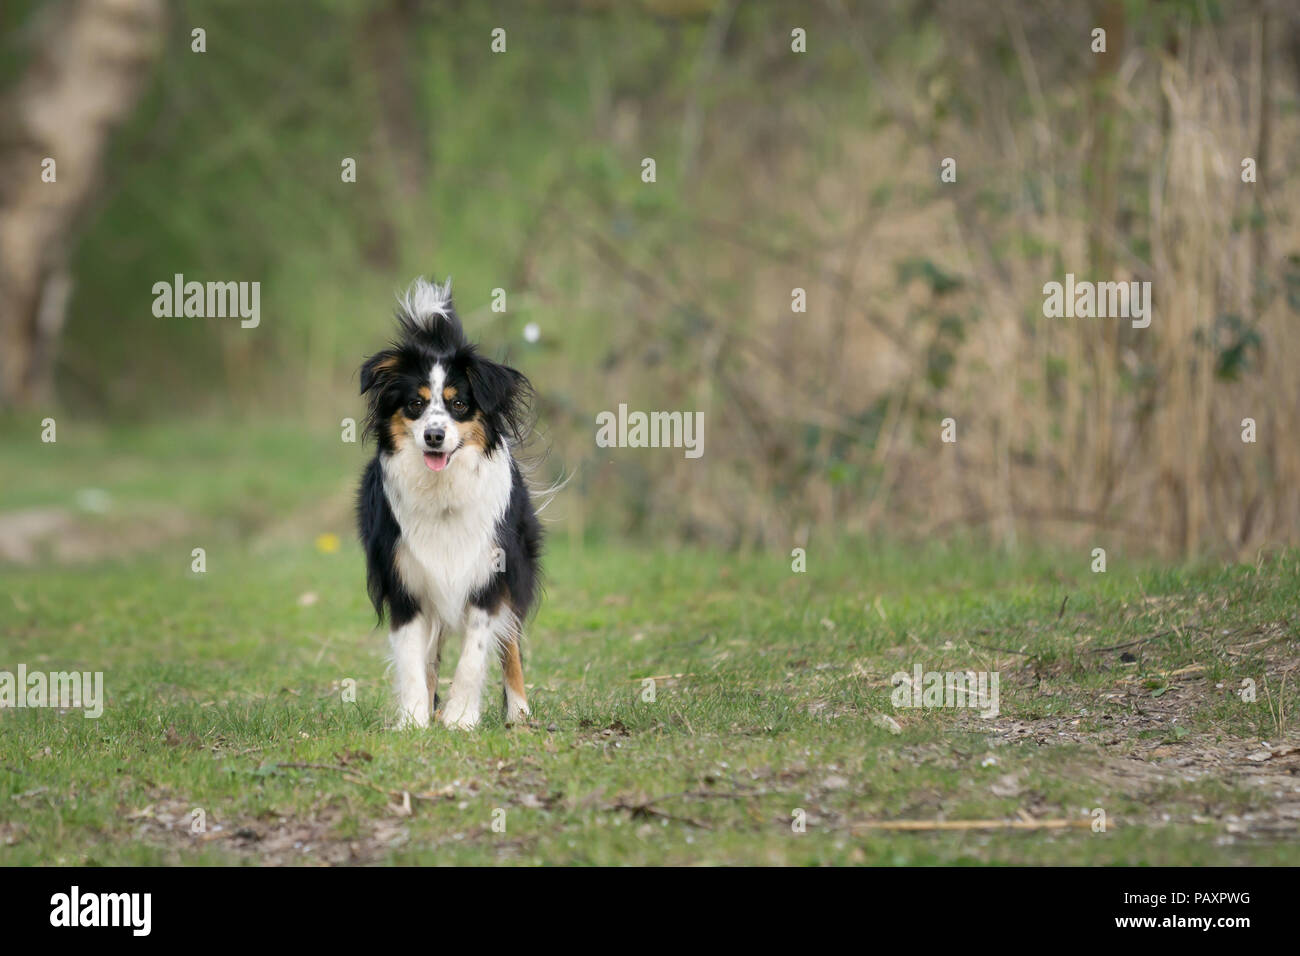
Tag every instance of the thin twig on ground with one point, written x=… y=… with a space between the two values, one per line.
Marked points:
x=1022 y=824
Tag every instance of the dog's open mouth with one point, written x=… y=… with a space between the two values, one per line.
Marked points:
x=437 y=460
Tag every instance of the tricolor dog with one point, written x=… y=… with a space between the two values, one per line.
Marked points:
x=451 y=536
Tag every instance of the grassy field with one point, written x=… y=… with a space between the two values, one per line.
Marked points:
x=772 y=691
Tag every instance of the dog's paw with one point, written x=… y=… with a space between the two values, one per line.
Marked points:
x=460 y=715
x=407 y=721
x=517 y=712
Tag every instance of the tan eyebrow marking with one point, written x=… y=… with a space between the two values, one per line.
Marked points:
x=449 y=392
x=425 y=393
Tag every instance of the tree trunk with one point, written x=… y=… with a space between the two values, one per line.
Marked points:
x=88 y=67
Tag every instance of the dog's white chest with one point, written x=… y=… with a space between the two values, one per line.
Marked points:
x=448 y=547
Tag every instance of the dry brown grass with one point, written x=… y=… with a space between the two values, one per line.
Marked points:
x=1085 y=431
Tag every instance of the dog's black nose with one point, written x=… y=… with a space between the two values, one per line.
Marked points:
x=434 y=436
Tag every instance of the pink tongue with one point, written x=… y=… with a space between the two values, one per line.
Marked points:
x=436 y=461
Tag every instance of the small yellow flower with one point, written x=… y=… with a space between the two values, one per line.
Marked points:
x=327 y=543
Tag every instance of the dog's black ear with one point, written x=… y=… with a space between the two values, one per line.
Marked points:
x=377 y=367
x=500 y=390
x=495 y=386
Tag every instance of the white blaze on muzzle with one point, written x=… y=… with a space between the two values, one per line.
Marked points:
x=436 y=418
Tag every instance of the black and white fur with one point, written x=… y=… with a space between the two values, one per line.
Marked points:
x=451 y=537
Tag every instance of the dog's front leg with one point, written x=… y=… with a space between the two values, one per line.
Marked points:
x=434 y=658
x=465 y=702
x=410 y=648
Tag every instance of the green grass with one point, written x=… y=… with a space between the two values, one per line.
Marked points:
x=217 y=682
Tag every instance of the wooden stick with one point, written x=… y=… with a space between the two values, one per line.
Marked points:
x=1052 y=824
x=657 y=678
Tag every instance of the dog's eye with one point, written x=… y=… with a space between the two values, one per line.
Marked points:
x=458 y=405
x=414 y=409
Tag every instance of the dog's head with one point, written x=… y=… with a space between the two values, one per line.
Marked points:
x=431 y=393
